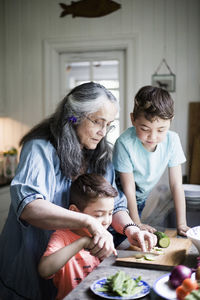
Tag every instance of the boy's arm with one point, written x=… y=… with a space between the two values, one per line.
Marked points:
x=128 y=185
x=49 y=265
x=175 y=182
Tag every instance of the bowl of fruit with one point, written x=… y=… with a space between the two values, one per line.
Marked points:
x=186 y=281
x=183 y=283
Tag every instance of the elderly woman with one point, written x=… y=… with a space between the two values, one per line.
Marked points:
x=70 y=142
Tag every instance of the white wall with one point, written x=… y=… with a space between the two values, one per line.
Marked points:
x=164 y=28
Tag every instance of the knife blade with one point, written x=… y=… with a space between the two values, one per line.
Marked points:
x=136 y=254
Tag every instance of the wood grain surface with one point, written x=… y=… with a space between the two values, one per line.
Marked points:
x=195 y=161
x=193 y=133
x=173 y=255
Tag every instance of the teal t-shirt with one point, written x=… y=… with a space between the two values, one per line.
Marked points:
x=129 y=155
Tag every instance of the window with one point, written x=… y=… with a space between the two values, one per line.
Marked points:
x=105 y=68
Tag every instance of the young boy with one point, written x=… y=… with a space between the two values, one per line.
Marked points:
x=142 y=153
x=66 y=259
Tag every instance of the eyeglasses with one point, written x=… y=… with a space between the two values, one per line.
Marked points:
x=100 y=124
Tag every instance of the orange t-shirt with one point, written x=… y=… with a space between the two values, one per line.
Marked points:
x=76 y=269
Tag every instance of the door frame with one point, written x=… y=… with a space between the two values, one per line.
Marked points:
x=52 y=49
x=66 y=58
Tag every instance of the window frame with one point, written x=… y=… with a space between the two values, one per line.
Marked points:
x=92 y=56
x=52 y=49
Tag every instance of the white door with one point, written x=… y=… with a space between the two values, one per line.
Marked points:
x=105 y=67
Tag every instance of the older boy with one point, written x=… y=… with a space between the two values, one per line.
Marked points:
x=142 y=153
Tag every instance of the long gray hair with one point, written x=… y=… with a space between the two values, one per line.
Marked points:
x=60 y=130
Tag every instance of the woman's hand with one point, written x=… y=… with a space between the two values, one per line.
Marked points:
x=101 y=244
x=141 y=238
x=146 y=227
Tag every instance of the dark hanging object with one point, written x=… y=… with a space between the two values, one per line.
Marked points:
x=167 y=80
x=89 y=8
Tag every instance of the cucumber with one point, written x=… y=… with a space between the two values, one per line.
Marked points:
x=150 y=257
x=163 y=239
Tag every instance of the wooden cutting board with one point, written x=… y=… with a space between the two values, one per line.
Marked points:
x=173 y=255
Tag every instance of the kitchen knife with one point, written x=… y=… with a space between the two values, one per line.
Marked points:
x=136 y=254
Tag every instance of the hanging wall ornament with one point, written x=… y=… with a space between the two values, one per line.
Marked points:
x=89 y=8
x=167 y=80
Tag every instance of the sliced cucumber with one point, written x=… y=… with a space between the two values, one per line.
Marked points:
x=150 y=257
x=158 y=250
x=140 y=259
x=163 y=239
x=164 y=242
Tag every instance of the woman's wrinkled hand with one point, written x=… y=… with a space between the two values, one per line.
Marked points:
x=101 y=244
x=141 y=238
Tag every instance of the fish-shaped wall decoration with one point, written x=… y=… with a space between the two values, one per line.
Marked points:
x=89 y=8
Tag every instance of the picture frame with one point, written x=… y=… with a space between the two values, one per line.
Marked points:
x=165 y=81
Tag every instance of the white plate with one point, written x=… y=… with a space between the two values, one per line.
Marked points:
x=162 y=287
x=192 y=187
x=192 y=196
x=192 y=190
x=193 y=203
x=192 y=199
x=100 y=282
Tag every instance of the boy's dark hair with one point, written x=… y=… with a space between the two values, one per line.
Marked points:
x=153 y=102
x=88 y=188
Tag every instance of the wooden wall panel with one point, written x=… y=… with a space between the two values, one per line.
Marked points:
x=195 y=161
x=194 y=142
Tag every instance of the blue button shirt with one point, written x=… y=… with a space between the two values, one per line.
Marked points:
x=21 y=245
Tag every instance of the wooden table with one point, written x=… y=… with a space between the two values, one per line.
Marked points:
x=108 y=267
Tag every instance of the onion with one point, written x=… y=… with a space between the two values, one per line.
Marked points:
x=178 y=274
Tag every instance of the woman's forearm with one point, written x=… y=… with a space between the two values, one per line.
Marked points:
x=120 y=219
x=132 y=207
x=46 y=215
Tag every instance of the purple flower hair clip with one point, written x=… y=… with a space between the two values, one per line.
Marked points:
x=72 y=119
